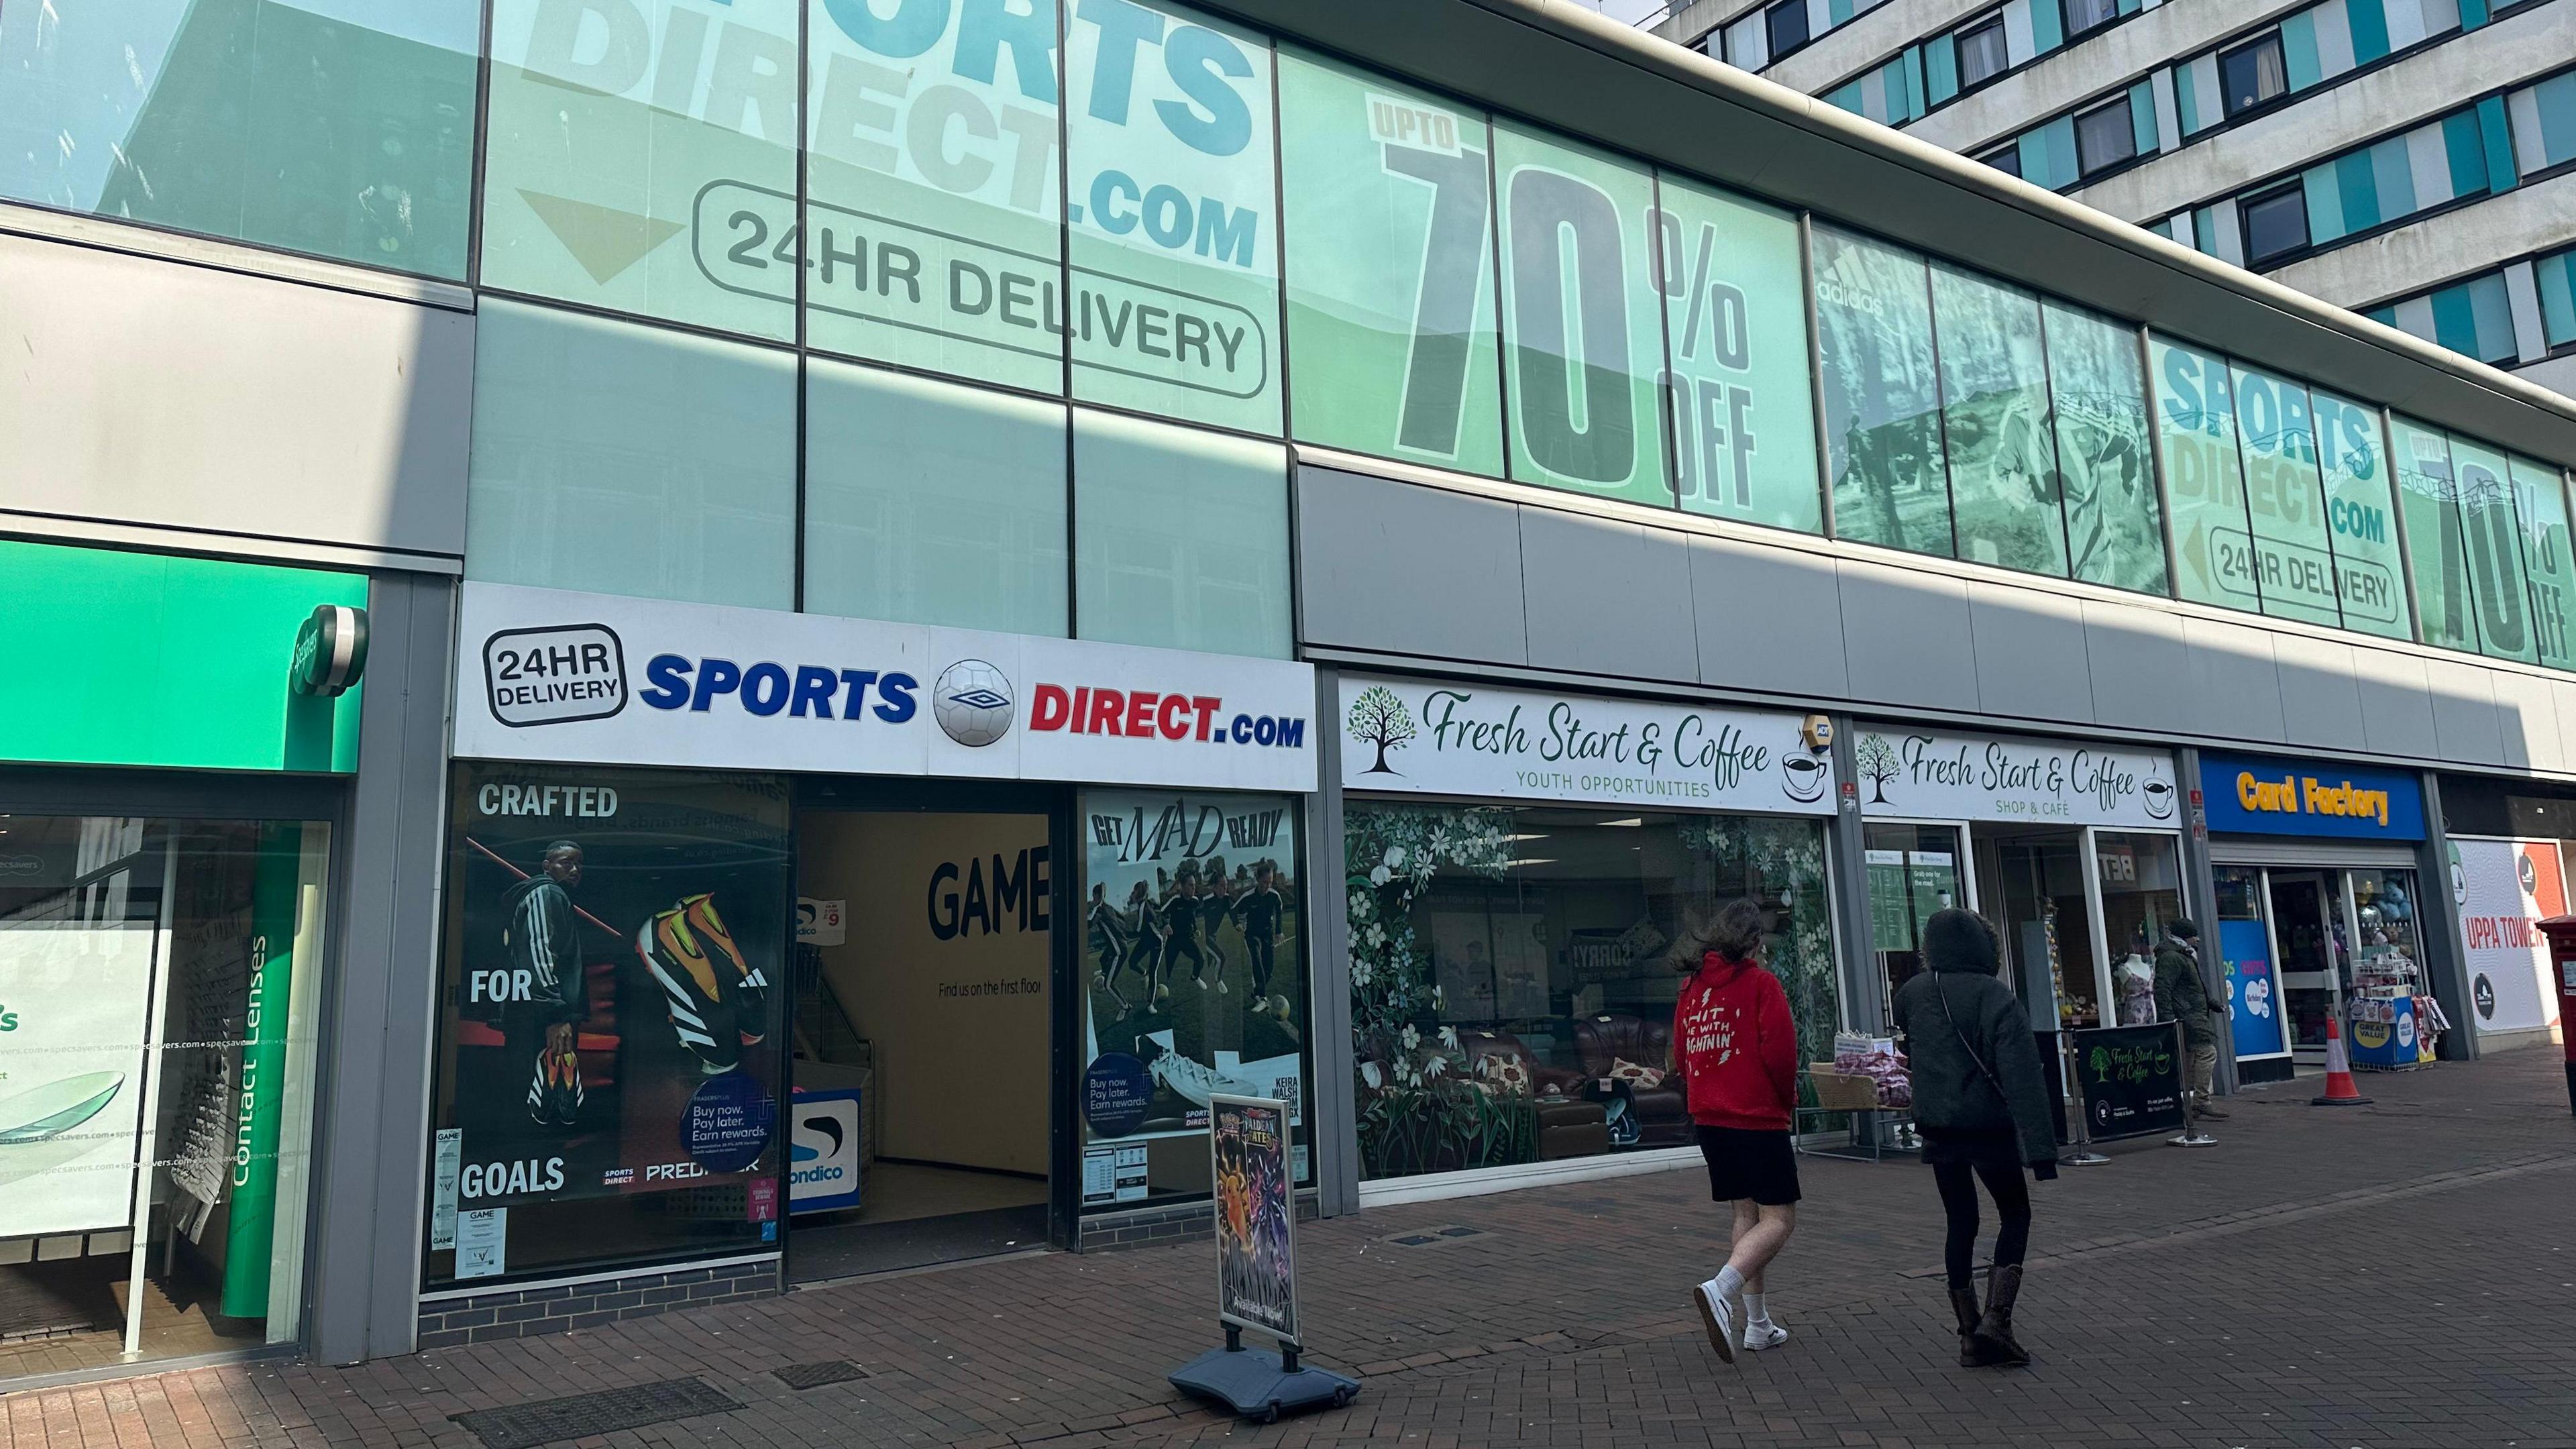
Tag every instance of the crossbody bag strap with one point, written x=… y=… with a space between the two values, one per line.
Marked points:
x=1940 y=990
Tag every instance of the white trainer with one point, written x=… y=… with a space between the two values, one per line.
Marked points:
x=1719 y=1317
x=1759 y=1336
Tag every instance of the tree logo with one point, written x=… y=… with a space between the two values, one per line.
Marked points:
x=1878 y=764
x=1378 y=717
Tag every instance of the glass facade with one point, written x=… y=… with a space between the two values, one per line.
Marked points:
x=833 y=276
x=329 y=127
x=163 y=982
x=1511 y=983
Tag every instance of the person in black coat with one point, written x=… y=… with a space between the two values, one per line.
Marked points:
x=1981 y=1103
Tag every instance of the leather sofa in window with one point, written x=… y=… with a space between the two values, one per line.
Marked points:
x=1662 y=1112
x=1569 y=1125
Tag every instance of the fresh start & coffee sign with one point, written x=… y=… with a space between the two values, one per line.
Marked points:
x=1971 y=777
x=1469 y=739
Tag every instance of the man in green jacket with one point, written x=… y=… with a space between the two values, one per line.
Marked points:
x=2182 y=996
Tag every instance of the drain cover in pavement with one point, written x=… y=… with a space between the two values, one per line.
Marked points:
x=548 y=1421
x=803 y=1376
x=1434 y=1237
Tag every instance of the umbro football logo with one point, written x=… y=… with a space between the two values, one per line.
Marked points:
x=972 y=702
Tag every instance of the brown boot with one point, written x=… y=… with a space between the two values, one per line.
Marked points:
x=1993 y=1336
x=1963 y=1304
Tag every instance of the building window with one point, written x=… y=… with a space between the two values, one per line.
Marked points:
x=166 y=981
x=2084 y=15
x=2252 y=75
x=335 y=131
x=1513 y=971
x=612 y=1002
x=2006 y=159
x=2104 y=137
x=1788 y=24
x=1982 y=55
x=2275 y=225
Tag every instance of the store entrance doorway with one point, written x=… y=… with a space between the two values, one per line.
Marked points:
x=2033 y=889
x=922 y=1038
x=2303 y=910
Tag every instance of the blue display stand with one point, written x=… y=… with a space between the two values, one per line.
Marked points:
x=2386 y=1045
x=1259 y=1384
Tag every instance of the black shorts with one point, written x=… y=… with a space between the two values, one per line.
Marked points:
x=1741 y=1164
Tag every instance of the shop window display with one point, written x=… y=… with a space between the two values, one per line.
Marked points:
x=160 y=985
x=2141 y=899
x=608 y=1062
x=1193 y=946
x=1511 y=987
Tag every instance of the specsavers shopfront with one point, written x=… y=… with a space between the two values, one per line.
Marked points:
x=782 y=946
x=2320 y=913
x=177 y=740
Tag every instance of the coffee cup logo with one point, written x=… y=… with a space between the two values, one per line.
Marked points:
x=2160 y=799
x=1803 y=777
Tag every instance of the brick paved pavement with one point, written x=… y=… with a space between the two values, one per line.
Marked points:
x=2401 y=1275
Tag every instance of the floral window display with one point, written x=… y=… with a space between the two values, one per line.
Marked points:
x=1512 y=971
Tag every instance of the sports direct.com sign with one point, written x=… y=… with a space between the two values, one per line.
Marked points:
x=601 y=679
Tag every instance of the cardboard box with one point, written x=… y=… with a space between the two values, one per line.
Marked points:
x=1836 y=1092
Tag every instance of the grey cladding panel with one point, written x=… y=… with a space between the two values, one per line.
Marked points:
x=1607 y=598
x=2030 y=654
x=2235 y=685
x=1408 y=570
x=2141 y=669
x=155 y=392
x=2396 y=707
x=2320 y=700
x=2466 y=724
x=1769 y=618
x=2566 y=695
x=2527 y=710
x=1907 y=637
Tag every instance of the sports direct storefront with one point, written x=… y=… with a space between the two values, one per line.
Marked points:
x=805 y=946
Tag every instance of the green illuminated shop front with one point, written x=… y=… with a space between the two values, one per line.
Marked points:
x=171 y=774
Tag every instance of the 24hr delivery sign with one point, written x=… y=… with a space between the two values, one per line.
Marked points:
x=599 y=679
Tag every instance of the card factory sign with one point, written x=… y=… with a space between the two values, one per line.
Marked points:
x=1971 y=777
x=602 y=679
x=1468 y=739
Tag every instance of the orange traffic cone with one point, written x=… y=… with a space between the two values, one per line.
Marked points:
x=2340 y=1092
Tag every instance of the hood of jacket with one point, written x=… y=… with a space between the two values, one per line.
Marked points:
x=1717 y=969
x=1957 y=940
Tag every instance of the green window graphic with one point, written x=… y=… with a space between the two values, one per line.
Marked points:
x=1581 y=320
x=1995 y=426
x=2540 y=501
x=2436 y=544
x=2204 y=477
x=2284 y=494
x=932 y=503
x=2370 y=574
x=933 y=212
x=1391 y=330
x=1172 y=203
x=1743 y=409
x=1181 y=538
x=640 y=155
x=2502 y=592
x=337 y=128
x=2105 y=460
x=1882 y=394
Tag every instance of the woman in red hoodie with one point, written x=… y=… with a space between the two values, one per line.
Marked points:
x=1737 y=1053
